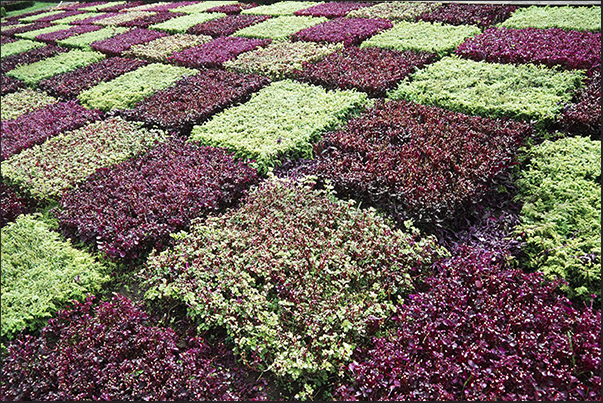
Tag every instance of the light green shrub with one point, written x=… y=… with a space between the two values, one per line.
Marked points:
x=182 y=24
x=568 y=17
x=36 y=17
x=394 y=10
x=100 y=7
x=84 y=40
x=279 y=28
x=71 y=18
x=280 y=8
x=17 y=47
x=123 y=17
x=32 y=34
x=159 y=49
x=200 y=7
x=23 y=101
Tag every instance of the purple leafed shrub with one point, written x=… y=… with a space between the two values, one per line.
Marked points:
x=161 y=8
x=93 y=19
x=372 y=70
x=418 y=161
x=226 y=25
x=59 y=16
x=584 y=116
x=146 y=21
x=6 y=39
x=124 y=6
x=69 y=85
x=212 y=54
x=117 y=44
x=551 y=47
x=482 y=15
x=481 y=331
x=13 y=204
x=231 y=9
x=349 y=31
x=31 y=56
x=76 y=6
x=38 y=126
x=194 y=99
x=52 y=37
x=110 y=351
x=331 y=9
x=25 y=28
x=134 y=206
x=10 y=84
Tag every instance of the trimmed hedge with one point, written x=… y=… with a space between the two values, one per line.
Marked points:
x=118 y=44
x=83 y=41
x=568 y=17
x=61 y=63
x=524 y=92
x=43 y=123
x=279 y=8
x=281 y=119
x=22 y=102
x=48 y=169
x=583 y=117
x=226 y=25
x=126 y=90
x=395 y=10
x=278 y=28
x=422 y=37
x=40 y=273
x=134 y=206
x=561 y=215
x=182 y=24
x=331 y=9
x=371 y=70
x=481 y=15
x=160 y=49
x=194 y=99
x=16 y=47
x=297 y=277
x=349 y=31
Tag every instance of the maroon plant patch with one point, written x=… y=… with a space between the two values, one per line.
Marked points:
x=116 y=45
x=226 y=25
x=349 y=31
x=482 y=15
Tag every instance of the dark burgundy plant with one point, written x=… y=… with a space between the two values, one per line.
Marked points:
x=371 y=70
x=482 y=15
x=13 y=204
x=116 y=45
x=583 y=117
x=25 y=28
x=349 y=31
x=94 y=18
x=76 y=6
x=332 y=9
x=113 y=351
x=43 y=123
x=124 y=6
x=215 y=52
x=226 y=25
x=10 y=84
x=135 y=205
x=162 y=8
x=550 y=47
x=194 y=99
x=31 y=56
x=52 y=37
x=231 y=9
x=6 y=39
x=59 y=16
x=146 y=21
x=417 y=161
x=481 y=331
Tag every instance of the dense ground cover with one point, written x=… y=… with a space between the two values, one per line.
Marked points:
x=300 y=200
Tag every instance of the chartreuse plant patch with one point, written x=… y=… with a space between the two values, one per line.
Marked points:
x=524 y=92
x=279 y=28
x=297 y=277
x=17 y=47
x=126 y=90
x=395 y=10
x=280 y=8
x=159 y=49
x=71 y=18
x=40 y=273
x=24 y=101
x=568 y=17
x=61 y=63
x=33 y=33
x=281 y=119
x=121 y=18
x=83 y=41
x=423 y=36
x=63 y=161
x=201 y=6
x=182 y=24
x=102 y=6
x=36 y=17
x=561 y=215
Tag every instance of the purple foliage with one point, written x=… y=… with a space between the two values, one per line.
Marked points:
x=6 y=39
x=148 y=20
x=226 y=25
x=349 y=31
x=418 y=161
x=110 y=351
x=195 y=98
x=332 y=9
x=482 y=331
x=231 y=9
x=28 y=27
x=372 y=70
x=215 y=52
x=52 y=37
x=551 y=47
x=10 y=84
x=38 y=126
x=31 y=56
x=116 y=45
x=125 y=6
x=13 y=204
x=167 y=7
x=59 y=16
x=584 y=116
x=76 y=6
x=69 y=85
x=482 y=15
x=93 y=19
x=135 y=205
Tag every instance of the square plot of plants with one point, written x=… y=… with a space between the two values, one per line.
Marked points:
x=349 y=31
x=281 y=119
x=395 y=10
x=279 y=28
x=279 y=8
x=226 y=25
x=182 y=24
x=116 y=45
x=160 y=49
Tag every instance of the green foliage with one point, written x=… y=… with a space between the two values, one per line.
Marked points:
x=126 y=90
x=61 y=63
x=280 y=8
x=279 y=28
x=100 y=7
x=70 y=19
x=561 y=216
x=33 y=18
x=182 y=24
x=32 y=34
x=61 y=162
x=524 y=92
x=280 y=59
x=568 y=17
x=17 y=47
x=395 y=10
x=200 y=7
x=160 y=48
x=83 y=41
x=281 y=119
x=22 y=102
x=419 y=36
x=297 y=277
x=120 y=18
x=40 y=273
